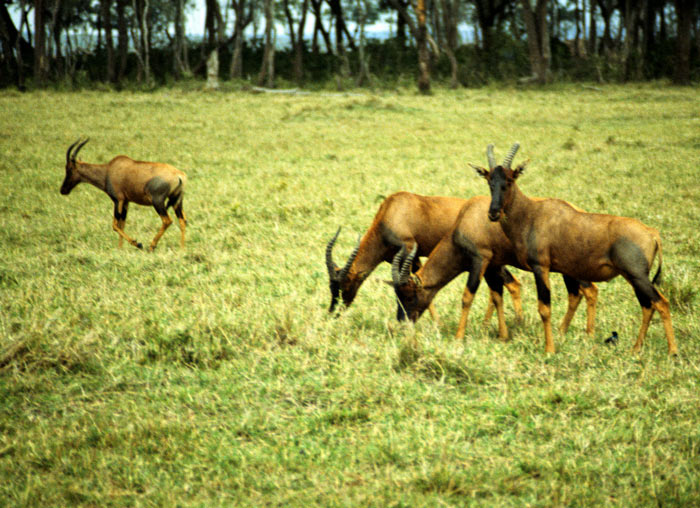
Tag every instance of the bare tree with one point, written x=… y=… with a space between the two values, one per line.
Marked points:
x=141 y=40
x=267 y=69
x=423 y=55
x=448 y=37
x=538 y=38
x=244 y=15
x=319 y=28
x=106 y=8
x=181 y=64
x=340 y=30
x=684 y=12
x=122 y=40
x=592 y=33
x=40 y=61
x=488 y=13
x=296 y=36
x=363 y=76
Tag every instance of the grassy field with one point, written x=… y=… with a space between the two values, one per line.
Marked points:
x=214 y=376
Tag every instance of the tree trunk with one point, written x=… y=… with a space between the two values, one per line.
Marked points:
x=122 y=40
x=181 y=65
x=106 y=6
x=450 y=39
x=145 y=41
x=630 y=45
x=267 y=69
x=606 y=12
x=592 y=32
x=210 y=32
x=538 y=39
x=344 y=63
x=577 y=37
x=242 y=20
x=18 y=48
x=213 y=70
x=684 y=13
x=401 y=27
x=423 y=55
x=40 y=63
x=363 y=76
x=297 y=39
x=318 y=27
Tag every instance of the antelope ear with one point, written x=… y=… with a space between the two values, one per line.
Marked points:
x=481 y=171
x=519 y=170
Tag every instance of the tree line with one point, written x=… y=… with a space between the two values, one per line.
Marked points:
x=144 y=41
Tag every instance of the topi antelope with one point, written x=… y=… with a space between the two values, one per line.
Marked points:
x=551 y=235
x=479 y=246
x=403 y=220
x=126 y=180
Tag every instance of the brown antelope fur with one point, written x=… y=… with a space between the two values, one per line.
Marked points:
x=403 y=220
x=550 y=235
x=479 y=246
x=128 y=181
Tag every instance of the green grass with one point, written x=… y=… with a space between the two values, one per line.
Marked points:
x=215 y=377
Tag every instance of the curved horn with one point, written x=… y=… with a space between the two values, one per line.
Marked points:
x=332 y=267
x=75 y=154
x=491 y=157
x=407 y=264
x=68 y=157
x=396 y=266
x=510 y=155
x=344 y=272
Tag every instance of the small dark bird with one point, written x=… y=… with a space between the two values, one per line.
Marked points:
x=612 y=339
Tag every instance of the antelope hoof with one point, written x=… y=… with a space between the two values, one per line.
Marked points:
x=138 y=245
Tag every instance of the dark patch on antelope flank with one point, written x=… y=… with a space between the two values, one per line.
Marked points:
x=469 y=248
x=531 y=246
x=629 y=259
x=471 y=259
x=158 y=189
x=109 y=189
x=390 y=238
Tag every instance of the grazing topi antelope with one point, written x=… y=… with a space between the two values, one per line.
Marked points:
x=480 y=247
x=405 y=220
x=551 y=235
x=126 y=180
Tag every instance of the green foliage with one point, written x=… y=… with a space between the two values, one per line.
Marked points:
x=214 y=376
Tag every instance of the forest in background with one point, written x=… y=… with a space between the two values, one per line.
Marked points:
x=83 y=43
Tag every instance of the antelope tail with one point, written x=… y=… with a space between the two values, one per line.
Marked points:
x=657 y=277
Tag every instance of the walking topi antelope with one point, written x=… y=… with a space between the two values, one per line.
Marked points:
x=551 y=235
x=126 y=180
x=479 y=246
x=405 y=220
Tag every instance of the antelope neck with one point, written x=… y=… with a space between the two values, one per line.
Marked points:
x=96 y=174
x=515 y=207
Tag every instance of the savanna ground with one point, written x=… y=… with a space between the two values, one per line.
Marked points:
x=214 y=376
